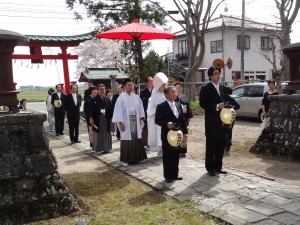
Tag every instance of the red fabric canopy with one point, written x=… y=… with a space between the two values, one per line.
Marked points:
x=134 y=31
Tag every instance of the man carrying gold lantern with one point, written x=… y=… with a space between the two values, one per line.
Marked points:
x=169 y=116
x=213 y=98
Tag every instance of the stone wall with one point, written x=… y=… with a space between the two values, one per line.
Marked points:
x=282 y=138
x=30 y=185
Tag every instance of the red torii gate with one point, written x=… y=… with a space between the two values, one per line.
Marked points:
x=63 y=42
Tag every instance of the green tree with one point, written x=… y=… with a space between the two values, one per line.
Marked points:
x=196 y=15
x=108 y=14
x=152 y=63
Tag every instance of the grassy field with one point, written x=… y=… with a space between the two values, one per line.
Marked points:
x=36 y=94
x=110 y=197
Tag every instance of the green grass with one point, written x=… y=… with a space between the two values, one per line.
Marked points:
x=110 y=197
x=36 y=94
x=194 y=104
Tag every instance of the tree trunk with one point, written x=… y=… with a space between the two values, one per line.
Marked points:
x=286 y=40
x=140 y=61
x=189 y=89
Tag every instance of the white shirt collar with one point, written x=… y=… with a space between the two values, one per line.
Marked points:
x=215 y=85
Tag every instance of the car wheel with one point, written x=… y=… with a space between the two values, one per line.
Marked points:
x=261 y=116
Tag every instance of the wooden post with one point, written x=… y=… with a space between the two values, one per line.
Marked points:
x=66 y=68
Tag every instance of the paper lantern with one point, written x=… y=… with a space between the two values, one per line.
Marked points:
x=175 y=137
x=57 y=103
x=228 y=114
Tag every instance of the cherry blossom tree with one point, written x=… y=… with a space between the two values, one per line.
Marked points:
x=97 y=53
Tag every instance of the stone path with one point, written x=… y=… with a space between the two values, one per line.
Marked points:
x=237 y=198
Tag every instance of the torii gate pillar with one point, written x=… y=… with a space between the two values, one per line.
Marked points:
x=66 y=68
x=8 y=95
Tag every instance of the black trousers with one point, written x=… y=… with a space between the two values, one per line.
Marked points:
x=59 y=122
x=73 y=128
x=215 y=140
x=170 y=162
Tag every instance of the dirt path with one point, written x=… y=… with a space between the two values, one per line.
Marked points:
x=71 y=160
x=245 y=134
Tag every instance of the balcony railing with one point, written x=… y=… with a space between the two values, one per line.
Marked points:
x=181 y=56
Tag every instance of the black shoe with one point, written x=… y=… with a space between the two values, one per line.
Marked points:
x=178 y=178
x=62 y=133
x=168 y=180
x=118 y=139
x=77 y=141
x=57 y=134
x=221 y=171
x=72 y=142
x=211 y=173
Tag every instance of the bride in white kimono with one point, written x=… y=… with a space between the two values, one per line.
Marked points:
x=160 y=81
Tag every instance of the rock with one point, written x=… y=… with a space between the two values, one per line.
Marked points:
x=281 y=138
x=30 y=186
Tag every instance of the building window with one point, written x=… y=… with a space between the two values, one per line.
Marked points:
x=247 y=41
x=216 y=46
x=266 y=43
x=182 y=49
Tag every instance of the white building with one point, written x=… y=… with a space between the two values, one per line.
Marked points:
x=222 y=40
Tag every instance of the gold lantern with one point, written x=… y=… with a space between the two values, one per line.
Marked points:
x=57 y=103
x=175 y=137
x=228 y=114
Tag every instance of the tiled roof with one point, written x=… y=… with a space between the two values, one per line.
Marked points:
x=235 y=23
x=80 y=37
x=103 y=73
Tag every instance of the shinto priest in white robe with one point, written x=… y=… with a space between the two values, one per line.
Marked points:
x=157 y=97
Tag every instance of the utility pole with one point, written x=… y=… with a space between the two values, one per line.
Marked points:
x=242 y=42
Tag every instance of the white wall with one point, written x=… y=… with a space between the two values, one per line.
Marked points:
x=254 y=61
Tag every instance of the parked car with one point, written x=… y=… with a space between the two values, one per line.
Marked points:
x=250 y=96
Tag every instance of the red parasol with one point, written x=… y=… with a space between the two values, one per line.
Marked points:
x=135 y=31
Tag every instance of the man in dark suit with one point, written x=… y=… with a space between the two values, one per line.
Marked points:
x=212 y=98
x=59 y=111
x=88 y=91
x=73 y=103
x=169 y=115
x=114 y=100
x=23 y=104
x=87 y=109
x=145 y=95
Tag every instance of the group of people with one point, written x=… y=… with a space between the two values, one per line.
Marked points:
x=143 y=122
x=59 y=106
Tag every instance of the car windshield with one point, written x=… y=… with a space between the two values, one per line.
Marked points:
x=239 y=91
x=255 y=91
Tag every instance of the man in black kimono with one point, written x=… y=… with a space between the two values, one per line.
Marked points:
x=101 y=115
x=169 y=115
x=212 y=98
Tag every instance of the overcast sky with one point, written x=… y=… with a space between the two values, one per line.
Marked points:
x=51 y=17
